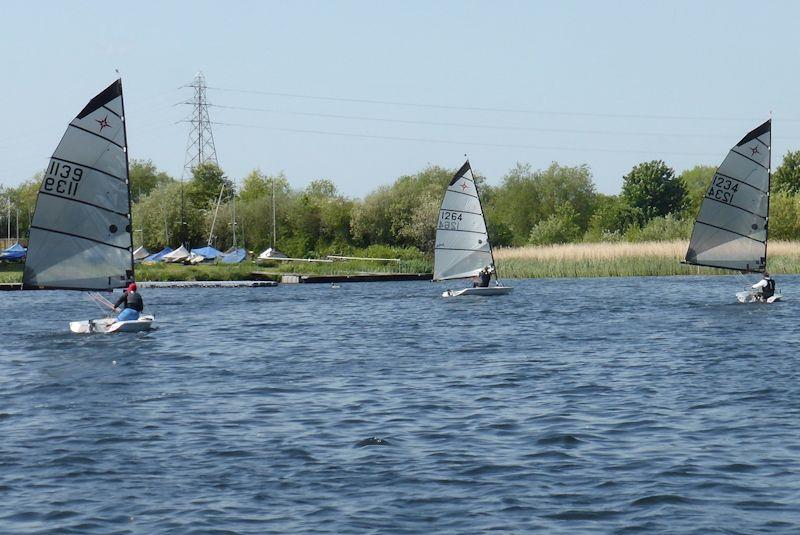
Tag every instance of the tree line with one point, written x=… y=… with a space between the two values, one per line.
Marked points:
x=559 y=204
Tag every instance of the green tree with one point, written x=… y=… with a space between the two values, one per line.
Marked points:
x=158 y=217
x=696 y=180
x=563 y=185
x=144 y=177
x=784 y=216
x=204 y=188
x=787 y=176
x=560 y=227
x=653 y=188
x=611 y=218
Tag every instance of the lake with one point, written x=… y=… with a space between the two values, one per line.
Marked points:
x=572 y=405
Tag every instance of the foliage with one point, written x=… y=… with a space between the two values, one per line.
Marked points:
x=561 y=227
x=204 y=188
x=611 y=218
x=787 y=177
x=696 y=180
x=663 y=228
x=784 y=216
x=654 y=190
x=404 y=214
x=144 y=178
x=158 y=217
x=528 y=197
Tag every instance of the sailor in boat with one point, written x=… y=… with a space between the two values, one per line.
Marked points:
x=765 y=288
x=483 y=278
x=133 y=304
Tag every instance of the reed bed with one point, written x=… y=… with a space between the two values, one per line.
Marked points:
x=622 y=259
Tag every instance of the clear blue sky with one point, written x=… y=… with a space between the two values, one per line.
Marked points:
x=401 y=85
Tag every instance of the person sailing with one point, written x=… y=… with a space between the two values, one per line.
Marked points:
x=483 y=278
x=133 y=304
x=765 y=288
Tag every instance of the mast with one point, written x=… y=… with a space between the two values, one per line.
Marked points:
x=274 y=231
x=233 y=216
x=769 y=188
x=127 y=175
x=216 y=211
x=488 y=238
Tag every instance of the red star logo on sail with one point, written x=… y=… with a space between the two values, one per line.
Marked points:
x=464 y=186
x=755 y=150
x=103 y=122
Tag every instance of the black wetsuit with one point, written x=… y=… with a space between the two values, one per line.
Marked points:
x=132 y=300
x=483 y=280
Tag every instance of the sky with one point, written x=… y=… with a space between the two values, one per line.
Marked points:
x=363 y=92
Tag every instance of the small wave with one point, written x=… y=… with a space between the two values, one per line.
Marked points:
x=577 y=514
x=560 y=439
x=660 y=499
x=737 y=467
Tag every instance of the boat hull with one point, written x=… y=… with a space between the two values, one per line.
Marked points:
x=749 y=297
x=111 y=325
x=478 y=292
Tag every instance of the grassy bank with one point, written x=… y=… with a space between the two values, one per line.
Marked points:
x=623 y=259
x=571 y=260
x=244 y=271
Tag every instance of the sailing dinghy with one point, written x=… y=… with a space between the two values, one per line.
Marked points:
x=80 y=236
x=462 y=241
x=731 y=229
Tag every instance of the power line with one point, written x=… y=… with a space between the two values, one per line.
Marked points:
x=473 y=125
x=470 y=143
x=490 y=109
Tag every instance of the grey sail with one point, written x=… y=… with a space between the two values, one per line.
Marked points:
x=80 y=236
x=462 y=241
x=731 y=228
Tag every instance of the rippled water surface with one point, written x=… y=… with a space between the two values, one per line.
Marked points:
x=593 y=405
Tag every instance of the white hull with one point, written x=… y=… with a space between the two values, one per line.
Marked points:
x=489 y=290
x=748 y=297
x=111 y=325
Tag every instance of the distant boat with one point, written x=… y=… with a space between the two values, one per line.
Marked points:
x=234 y=256
x=272 y=254
x=462 y=247
x=205 y=254
x=15 y=252
x=730 y=231
x=178 y=255
x=156 y=257
x=140 y=254
x=81 y=235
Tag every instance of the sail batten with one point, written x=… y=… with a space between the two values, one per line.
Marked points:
x=730 y=230
x=462 y=242
x=81 y=234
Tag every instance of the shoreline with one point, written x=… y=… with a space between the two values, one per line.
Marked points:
x=576 y=260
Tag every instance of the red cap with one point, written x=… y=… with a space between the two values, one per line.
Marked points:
x=132 y=287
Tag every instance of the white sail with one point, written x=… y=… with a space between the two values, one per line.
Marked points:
x=462 y=242
x=80 y=236
x=731 y=228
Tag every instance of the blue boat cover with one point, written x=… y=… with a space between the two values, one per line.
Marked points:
x=235 y=256
x=209 y=253
x=156 y=257
x=15 y=252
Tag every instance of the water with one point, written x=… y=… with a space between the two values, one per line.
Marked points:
x=594 y=405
